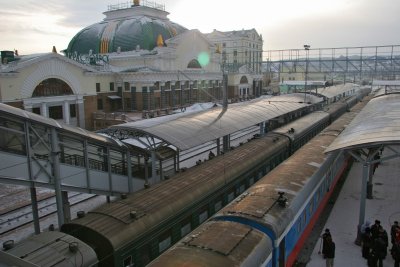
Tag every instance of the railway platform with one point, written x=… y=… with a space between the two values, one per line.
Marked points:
x=343 y=218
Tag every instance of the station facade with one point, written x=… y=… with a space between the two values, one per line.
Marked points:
x=136 y=59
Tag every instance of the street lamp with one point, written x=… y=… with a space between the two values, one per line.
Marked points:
x=307 y=48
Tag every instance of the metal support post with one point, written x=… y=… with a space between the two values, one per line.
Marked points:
x=361 y=218
x=110 y=185
x=262 y=128
x=66 y=207
x=146 y=171
x=218 y=146
x=86 y=158
x=153 y=166
x=29 y=153
x=55 y=156
x=35 y=211
x=129 y=170
x=226 y=143
x=177 y=160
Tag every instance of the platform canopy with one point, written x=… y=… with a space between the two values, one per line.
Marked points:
x=376 y=125
x=187 y=130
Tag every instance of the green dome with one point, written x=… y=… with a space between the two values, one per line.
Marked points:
x=126 y=29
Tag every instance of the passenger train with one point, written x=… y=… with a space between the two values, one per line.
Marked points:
x=135 y=230
x=269 y=223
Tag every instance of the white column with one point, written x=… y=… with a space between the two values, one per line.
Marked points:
x=81 y=112
x=43 y=110
x=66 y=114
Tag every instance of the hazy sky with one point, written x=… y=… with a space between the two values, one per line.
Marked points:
x=35 y=26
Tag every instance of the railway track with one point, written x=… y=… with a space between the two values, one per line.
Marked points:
x=14 y=219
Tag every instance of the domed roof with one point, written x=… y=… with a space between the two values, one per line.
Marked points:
x=125 y=28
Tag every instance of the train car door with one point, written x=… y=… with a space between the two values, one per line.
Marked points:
x=282 y=254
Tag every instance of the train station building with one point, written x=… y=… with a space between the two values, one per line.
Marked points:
x=135 y=60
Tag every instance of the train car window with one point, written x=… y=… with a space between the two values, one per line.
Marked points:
x=164 y=241
x=231 y=196
x=304 y=219
x=317 y=196
x=128 y=262
x=242 y=188
x=203 y=216
x=218 y=205
x=251 y=181
x=311 y=206
x=186 y=226
x=185 y=229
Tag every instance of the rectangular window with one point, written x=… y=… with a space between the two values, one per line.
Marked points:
x=56 y=112
x=235 y=53
x=231 y=196
x=251 y=181
x=185 y=229
x=128 y=261
x=72 y=110
x=97 y=87
x=36 y=110
x=126 y=86
x=203 y=216
x=112 y=86
x=311 y=206
x=99 y=104
x=164 y=244
x=218 y=205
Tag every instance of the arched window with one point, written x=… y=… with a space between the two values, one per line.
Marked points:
x=243 y=79
x=194 y=64
x=52 y=87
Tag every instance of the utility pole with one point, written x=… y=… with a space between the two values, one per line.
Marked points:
x=307 y=48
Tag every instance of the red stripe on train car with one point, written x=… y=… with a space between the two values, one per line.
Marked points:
x=296 y=250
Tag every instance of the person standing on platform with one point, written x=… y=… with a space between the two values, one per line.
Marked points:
x=324 y=241
x=393 y=231
x=395 y=251
x=379 y=246
x=329 y=251
x=366 y=242
x=375 y=229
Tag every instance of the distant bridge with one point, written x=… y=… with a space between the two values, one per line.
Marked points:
x=368 y=62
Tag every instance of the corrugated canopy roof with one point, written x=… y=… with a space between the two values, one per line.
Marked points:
x=378 y=123
x=190 y=130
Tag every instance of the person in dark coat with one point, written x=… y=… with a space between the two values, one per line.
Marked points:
x=393 y=231
x=366 y=243
x=329 y=251
x=375 y=229
x=395 y=251
x=372 y=259
x=379 y=246
x=325 y=236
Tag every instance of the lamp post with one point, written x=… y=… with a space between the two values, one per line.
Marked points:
x=307 y=48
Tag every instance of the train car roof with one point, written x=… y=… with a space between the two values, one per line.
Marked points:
x=49 y=249
x=189 y=130
x=335 y=90
x=378 y=123
x=218 y=244
x=300 y=125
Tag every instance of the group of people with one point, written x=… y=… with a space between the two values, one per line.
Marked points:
x=375 y=243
